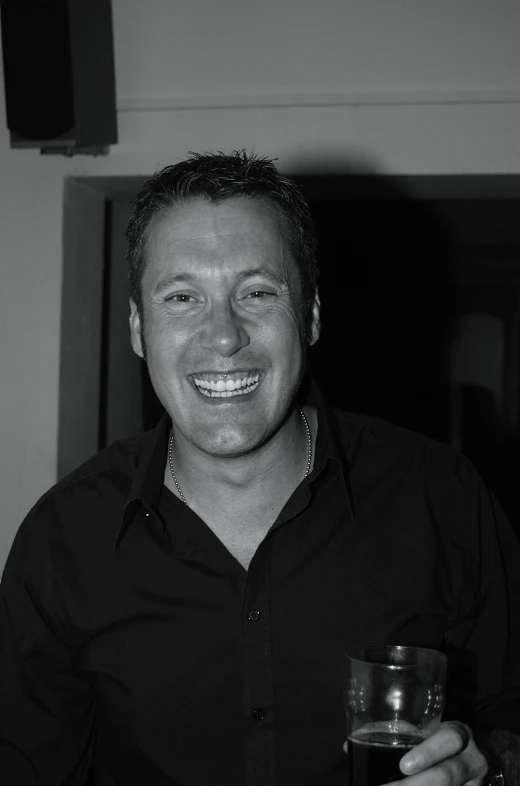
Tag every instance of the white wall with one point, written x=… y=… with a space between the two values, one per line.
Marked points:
x=239 y=47
x=401 y=86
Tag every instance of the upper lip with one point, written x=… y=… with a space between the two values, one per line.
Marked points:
x=224 y=374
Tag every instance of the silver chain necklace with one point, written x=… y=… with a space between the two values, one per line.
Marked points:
x=307 y=470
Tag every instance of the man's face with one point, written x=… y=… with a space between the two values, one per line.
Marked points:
x=222 y=323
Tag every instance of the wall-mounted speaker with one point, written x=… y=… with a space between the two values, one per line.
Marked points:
x=59 y=76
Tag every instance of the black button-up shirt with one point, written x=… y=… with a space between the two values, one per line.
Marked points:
x=136 y=647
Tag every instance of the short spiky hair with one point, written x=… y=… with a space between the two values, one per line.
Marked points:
x=217 y=177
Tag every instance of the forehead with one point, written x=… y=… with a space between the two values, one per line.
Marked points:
x=198 y=230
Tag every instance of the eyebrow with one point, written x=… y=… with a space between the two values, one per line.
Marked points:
x=261 y=272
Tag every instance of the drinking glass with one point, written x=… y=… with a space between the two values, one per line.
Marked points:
x=394 y=699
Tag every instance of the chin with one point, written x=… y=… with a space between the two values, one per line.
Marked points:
x=228 y=444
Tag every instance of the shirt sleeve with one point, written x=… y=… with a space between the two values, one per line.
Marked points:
x=47 y=730
x=484 y=647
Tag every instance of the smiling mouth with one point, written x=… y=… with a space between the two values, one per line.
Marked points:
x=227 y=385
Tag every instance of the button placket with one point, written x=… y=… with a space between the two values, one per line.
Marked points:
x=258 y=681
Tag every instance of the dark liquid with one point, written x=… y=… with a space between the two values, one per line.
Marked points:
x=374 y=756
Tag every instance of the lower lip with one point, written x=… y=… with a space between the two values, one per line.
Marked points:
x=240 y=399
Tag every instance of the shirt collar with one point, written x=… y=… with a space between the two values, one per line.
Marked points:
x=331 y=441
x=149 y=476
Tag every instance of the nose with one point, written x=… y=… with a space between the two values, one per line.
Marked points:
x=224 y=332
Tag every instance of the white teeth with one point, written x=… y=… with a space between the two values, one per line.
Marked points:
x=227 y=388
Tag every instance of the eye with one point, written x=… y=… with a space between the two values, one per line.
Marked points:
x=260 y=294
x=180 y=297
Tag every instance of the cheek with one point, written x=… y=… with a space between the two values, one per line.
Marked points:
x=164 y=355
x=284 y=320
x=286 y=347
x=165 y=340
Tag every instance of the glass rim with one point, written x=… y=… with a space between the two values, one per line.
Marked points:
x=440 y=657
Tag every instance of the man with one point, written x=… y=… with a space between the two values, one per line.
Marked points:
x=177 y=610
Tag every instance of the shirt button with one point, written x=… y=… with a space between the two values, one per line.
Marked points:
x=254 y=615
x=258 y=714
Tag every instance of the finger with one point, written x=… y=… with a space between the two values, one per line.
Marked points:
x=451 y=739
x=456 y=771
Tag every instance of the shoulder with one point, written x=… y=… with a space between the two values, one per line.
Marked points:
x=378 y=442
x=83 y=510
x=116 y=464
x=418 y=479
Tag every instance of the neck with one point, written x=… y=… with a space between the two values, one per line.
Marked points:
x=280 y=463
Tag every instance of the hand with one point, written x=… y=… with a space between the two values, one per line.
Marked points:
x=449 y=757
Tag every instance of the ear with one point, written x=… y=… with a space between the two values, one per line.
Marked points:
x=136 y=330
x=316 y=320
